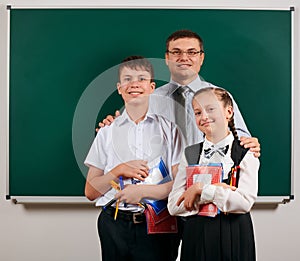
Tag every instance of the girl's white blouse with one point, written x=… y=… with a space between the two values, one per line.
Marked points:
x=239 y=201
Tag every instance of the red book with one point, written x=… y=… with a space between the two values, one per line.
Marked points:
x=207 y=174
x=161 y=223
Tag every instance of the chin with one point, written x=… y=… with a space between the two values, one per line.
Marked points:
x=137 y=100
x=184 y=74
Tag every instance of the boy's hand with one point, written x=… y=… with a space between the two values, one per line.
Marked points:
x=131 y=194
x=108 y=120
x=252 y=143
x=137 y=169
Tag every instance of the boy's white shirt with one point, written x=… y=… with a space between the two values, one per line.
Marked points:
x=151 y=139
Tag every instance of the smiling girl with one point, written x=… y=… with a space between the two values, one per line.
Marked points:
x=229 y=235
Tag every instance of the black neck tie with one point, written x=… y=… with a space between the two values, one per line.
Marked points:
x=183 y=100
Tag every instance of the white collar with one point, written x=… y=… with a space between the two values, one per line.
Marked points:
x=124 y=117
x=226 y=141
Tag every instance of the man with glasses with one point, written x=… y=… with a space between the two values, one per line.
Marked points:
x=184 y=57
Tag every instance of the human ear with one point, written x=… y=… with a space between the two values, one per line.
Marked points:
x=167 y=59
x=152 y=85
x=202 y=58
x=119 y=87
x=229 y=112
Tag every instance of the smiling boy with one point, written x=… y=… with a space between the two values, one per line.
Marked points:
x=127 y=148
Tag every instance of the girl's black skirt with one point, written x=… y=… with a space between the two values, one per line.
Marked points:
x=226 y=237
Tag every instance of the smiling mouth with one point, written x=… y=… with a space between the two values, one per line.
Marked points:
x=135 y=93
x=207 y=123
x=183 y=66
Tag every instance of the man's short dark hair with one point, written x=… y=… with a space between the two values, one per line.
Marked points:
x=184 y=34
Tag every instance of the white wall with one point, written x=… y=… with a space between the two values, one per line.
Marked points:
x=68 y=232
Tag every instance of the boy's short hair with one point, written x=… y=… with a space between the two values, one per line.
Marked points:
x=184 y=34
x=137 y=62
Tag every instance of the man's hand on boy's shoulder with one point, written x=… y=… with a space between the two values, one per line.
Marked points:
x=108 y=120
x=252 y=143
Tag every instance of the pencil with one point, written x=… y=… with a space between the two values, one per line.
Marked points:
x=117 y=209
x=115 y=185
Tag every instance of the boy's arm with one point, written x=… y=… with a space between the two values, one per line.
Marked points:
x=97 y=184
x=135 y=193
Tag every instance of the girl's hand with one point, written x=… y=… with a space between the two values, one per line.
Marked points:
x=191 y=196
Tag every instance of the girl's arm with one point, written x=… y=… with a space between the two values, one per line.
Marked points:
x=242 y=199
x=178 y=189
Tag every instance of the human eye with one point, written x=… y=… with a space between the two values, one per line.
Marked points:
x=197 y=113
x=211 y=109
x=142 y=79
x=192 y=52
x=176 y=52
x=126 y=79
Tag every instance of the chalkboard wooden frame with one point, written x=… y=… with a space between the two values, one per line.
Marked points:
x=268 y=197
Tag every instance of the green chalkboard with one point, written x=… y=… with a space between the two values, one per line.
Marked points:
x=62 y=76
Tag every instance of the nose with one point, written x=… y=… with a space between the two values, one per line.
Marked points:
x=183 y=56
x=204 y=115
x=134 y=82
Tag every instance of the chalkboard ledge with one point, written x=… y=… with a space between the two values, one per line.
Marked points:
x=273 y=199
x=83 y=200
x=52 y=200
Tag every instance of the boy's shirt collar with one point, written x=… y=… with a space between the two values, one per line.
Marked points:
x=124 y=118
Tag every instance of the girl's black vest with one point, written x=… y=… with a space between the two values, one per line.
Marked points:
x=193 y=152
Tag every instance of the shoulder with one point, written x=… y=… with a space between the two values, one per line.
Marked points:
x=194 y=148
x=192 y=153
x=250 y=161
x=162 y=90
x=107 y=130
x=168 y=128
x=238 y=151
x=163 y=122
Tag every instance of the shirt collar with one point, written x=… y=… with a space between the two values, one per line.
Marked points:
x=124 y=118
x=226 y=141
x=194 y=85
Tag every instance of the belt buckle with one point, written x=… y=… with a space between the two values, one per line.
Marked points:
x=134 y=217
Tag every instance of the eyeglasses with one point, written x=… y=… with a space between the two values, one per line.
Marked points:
x=189 y=53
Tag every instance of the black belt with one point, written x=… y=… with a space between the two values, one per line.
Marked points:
x=135 y=217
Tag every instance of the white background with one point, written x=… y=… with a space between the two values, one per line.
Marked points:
x=67 y=232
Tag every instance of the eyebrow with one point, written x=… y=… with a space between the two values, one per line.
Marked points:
x=189 y=49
